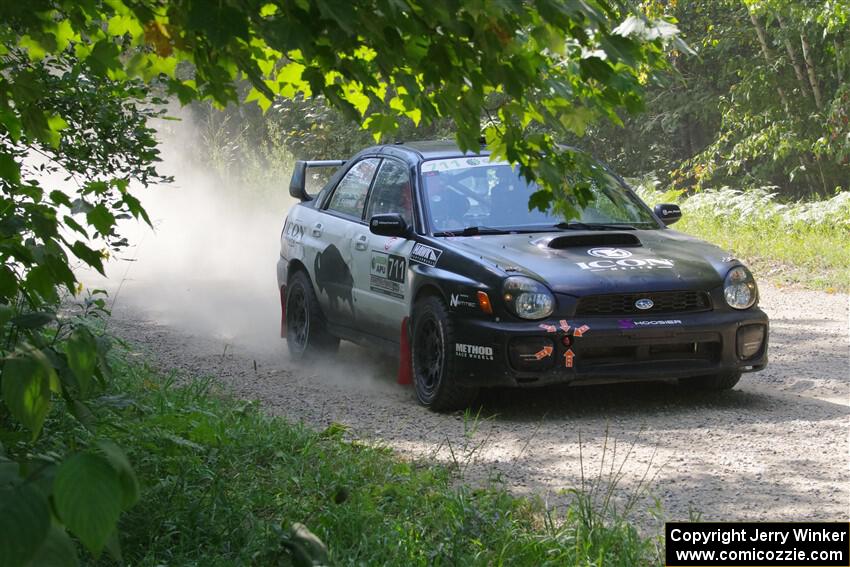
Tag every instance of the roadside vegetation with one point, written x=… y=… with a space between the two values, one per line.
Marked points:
x=804 y=243
x=222 y=483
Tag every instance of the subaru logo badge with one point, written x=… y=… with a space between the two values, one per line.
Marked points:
x=609 y=253
x=644 y=304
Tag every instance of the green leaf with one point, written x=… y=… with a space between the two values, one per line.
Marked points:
x=60 y=198
x=24 y=524
x=56 y=551
x=10 y=170
x=34 y=48
x=101 y=219
x=83 y=414
x=87 y=255
x=64 y=34
x=41 y=280
x=8 y=283
x=34 y=319
x=81 y=352
x=88 y=496
x=540 y=200
x=26 y=387
x=136 y=209
x=126 y=474
x=56 y=123
x=121 y=24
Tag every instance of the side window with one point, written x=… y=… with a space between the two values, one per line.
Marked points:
x=391 y=192
x=349 y=198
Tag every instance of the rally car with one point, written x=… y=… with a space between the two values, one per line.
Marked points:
x=431 y=254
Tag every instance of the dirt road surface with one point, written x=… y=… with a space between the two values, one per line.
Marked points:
x=775 y=448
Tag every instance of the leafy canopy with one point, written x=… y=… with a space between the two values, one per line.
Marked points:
x=559 y=65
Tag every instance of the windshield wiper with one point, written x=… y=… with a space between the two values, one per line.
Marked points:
x=472 y=231
x=592 y=226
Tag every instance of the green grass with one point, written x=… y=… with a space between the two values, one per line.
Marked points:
x=813 y=258
x=222 y=483
x=805 y=244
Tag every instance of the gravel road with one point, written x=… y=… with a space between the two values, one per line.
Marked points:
x=775 y=448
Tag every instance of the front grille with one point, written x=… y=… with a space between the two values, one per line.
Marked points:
x=663 y=302
x=600 y=356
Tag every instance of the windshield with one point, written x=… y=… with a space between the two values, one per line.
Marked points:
x=473 y=192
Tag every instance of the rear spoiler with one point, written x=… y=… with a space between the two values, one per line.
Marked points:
x=298 y=183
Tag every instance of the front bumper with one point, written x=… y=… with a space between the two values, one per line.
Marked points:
x=494 y=353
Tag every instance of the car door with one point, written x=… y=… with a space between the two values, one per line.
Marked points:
x=381 y=279
x=333 y=233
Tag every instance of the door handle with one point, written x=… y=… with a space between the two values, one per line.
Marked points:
x=317 y=230
x=362 y=242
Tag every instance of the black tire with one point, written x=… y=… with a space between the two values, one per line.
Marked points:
x=306 y=335
x=713 y=382
x=432 y=343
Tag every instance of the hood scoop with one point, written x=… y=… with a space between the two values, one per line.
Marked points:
x=623 y=239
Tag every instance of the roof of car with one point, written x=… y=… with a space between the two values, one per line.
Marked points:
x=435 y=149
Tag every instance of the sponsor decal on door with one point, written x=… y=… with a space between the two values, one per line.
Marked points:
x=387 y=274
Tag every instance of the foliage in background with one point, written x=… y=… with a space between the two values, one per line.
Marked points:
x=759 y=98
x=803 y=242
x=255 y=151
x=763 y=101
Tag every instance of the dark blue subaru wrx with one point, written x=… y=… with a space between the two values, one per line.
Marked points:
x=432 y=255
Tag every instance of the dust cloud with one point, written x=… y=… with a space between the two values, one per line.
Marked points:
x=208 y=267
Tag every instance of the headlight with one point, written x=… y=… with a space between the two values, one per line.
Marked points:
x=739 y=289
x=528 y=298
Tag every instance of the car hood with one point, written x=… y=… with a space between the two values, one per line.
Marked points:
x=598 y=262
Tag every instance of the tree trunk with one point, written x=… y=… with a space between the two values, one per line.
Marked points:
x=768 y=56
x=810 y=67
x=792 y=55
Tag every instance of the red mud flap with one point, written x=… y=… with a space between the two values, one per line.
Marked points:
x=283 y=311
x=405 y=364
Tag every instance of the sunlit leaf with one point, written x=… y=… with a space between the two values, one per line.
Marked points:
x=81 y=353
x=26 y=387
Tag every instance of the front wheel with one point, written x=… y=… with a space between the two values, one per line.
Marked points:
x=306 y=336
x=434 y=372
x=713 y=382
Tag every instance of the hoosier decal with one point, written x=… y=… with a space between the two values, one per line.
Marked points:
x=425 y=255
x=633 y=324
x=473 y=351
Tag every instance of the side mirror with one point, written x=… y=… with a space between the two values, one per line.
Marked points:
x=389 y=224
x=668 y=213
